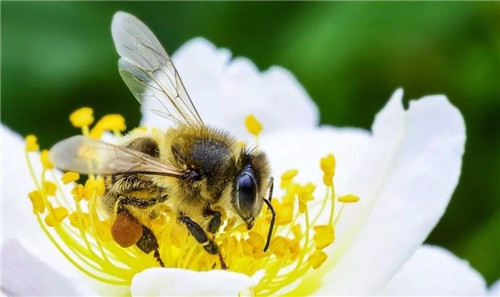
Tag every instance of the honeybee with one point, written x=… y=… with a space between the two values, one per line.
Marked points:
x=192 y=167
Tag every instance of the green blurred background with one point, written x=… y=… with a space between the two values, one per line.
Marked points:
x=350 y=57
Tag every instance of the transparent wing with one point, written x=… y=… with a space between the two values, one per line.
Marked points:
x=91 y=156
x=148 y=71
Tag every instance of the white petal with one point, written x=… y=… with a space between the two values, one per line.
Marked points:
x=435 y=271
x=495 y=289
x=18 y=220
x=225 y=91
x=16 y=183
x=182 y=282
x=23 y=274
x=302 y=149
x=405 y=183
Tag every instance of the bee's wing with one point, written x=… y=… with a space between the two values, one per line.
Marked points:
x=91 y=156
x=148 y=71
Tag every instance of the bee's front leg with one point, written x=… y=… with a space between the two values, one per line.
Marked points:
x=199 y=234
x=215 y=221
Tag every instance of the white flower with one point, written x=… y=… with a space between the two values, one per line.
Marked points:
x=404 y=171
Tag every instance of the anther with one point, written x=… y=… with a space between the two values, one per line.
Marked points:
x=31 y=143
x=348 y=198
x=82 y=117
x=253 y=125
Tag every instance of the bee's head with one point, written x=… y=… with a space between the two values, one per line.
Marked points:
x=250 y=187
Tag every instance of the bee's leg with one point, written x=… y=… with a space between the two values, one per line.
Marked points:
x=126 y=230
x=148 y=243
x=199 y=234
x=215 y=221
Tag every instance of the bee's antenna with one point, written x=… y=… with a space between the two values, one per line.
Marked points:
x=268 y=202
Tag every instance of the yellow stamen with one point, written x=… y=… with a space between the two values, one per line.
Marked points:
x=287 y=177
x=253 y=125
x=284 y=212
x=37 y=201
x=50 y=188
x=328 y=166
x=31 y=143
x=78 y=220
x=348 y=198
x=256 y=240
x=317 y=258
x=93 y=187
x=56 y=216
x=305 y=195
x=70 y=177
x=77 y=192
x=103 y=230
x=324 y=236
x=110 y=122
x=82 y=117
x=297 y=232
x=100 y=187
x=44 y=157
x=96 y=132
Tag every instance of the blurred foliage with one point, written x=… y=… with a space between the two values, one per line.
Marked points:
x=58 y=56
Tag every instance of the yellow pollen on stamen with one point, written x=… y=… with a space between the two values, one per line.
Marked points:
x=348 y=198
x=100 y=187
x=93 y=187
x=305 y=195
x=31 y=143
x=324 y=236
x=317 y=258
x=76 y=217
x=284 y=212
x=253 y=125
x=77 y=192
x=70 y=177
x=72 y=217
x=56 y=216
x=44 y=157
x=103 y=229
x=110 y=122
x=50 y=188
x=328 y=166
x=37 y=201
x=82 y=117
x=287 y=177
x=297 y=232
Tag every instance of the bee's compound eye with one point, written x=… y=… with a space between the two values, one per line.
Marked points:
x=246 y=192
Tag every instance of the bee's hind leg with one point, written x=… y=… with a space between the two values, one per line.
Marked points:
x=148 y=243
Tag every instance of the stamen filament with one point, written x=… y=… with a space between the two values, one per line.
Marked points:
x=332 y=210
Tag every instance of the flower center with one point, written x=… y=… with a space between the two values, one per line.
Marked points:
x=69 y=214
